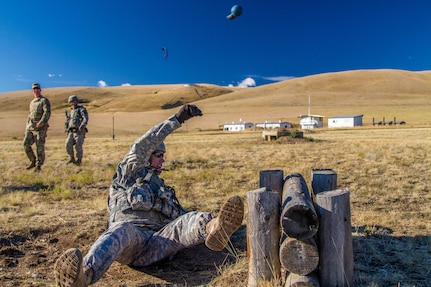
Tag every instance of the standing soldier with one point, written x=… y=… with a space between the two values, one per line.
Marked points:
x=36 y=128
x=76 y=128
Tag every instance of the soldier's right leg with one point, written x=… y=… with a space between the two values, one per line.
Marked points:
x=120 y=242
x=70 y=141
x=185 y=231
x=27 y=143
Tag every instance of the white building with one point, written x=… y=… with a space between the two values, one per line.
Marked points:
x=274 y=125
x=309 y=122
x=347 y=121
x=236 y=127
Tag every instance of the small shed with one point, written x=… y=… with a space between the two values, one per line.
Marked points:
x=346 y=121
x=274 y=125
x=308 y=122
x=236 y=127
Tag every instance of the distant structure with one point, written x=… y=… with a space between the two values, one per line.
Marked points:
x=237 y=126
x=346 y=121
x=309 y=121
x=274 y=125
x=384 y=122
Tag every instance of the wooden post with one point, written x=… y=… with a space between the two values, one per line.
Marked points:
x=272 y=180
x=263 y=235
x=295 y=280
x=323 y=179
x=298 y=217
x=299 y=256
x=335 y=238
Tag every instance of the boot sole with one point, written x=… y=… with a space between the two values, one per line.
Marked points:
x=229 y=220
x=68 y=267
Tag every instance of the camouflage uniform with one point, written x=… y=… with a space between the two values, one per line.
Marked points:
x=76 y=130
x=146 y=222
x=40 y=112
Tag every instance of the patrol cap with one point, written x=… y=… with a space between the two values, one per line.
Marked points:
x=72 y=98
x=35 y=86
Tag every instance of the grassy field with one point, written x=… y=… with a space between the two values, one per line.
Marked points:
x=386 y=169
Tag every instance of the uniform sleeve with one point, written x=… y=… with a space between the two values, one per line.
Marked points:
x=84 y=116
x=141 y=150
x=46 y=107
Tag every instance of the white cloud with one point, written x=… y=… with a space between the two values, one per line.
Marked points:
x=101 y=84
x=248 y=82
x=52 y=75
x=126 y=84
x=278 y=78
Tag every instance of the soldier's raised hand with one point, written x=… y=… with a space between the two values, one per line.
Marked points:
x=188 y=111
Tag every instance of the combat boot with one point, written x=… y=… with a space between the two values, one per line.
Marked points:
x=78 y=162
x=71 y=160
x=69 y=272
x=229 y=219
x=37 y=168
x=31 y=165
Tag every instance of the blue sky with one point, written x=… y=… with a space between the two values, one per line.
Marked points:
x=111 y=43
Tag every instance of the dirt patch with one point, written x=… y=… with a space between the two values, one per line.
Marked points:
x=28 y=260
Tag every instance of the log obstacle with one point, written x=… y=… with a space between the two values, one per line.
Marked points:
x=298 y=216
x=323 y=179
x=315 y=245
x=263 y=236
x=299 y=256
x=335 y=238
x=272 y=179
x=295 y=280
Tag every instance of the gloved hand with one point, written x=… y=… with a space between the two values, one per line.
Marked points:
x=188 y=111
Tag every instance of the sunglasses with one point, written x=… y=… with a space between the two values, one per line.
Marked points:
x=158 y=154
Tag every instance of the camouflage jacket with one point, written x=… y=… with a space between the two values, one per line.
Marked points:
x=78 y=119
x=137 y=193
x=40 y=112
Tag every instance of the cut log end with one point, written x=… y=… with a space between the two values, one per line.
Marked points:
x=300 y=222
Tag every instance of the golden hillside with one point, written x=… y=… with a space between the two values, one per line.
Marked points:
x=374 y=93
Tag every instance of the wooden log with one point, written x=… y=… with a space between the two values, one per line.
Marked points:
x=271 y=179
x=299 y=256
x=295 y=280
x=323 y=179
x=263 y=236
x=335 y=238
x=298 y=217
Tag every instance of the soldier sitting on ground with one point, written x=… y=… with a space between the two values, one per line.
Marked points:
x=146 y=222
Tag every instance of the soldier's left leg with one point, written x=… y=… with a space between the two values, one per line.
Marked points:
x=40 y=147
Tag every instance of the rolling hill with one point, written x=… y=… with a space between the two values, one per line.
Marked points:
x=381 y=93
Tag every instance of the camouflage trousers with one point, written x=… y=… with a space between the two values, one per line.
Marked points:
x=75 y=139
x=128 y=244
x=38 y=138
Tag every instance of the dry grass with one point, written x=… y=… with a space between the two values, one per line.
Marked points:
x=385 y=168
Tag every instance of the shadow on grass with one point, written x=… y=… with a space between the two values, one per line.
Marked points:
x=195 y=266
x=382 y=259
x=33 y=187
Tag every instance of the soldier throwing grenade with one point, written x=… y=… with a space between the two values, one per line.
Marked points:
x=76 y=128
